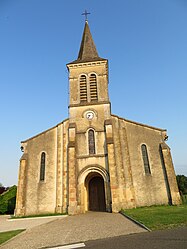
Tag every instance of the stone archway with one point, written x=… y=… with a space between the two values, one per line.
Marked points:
x=96 y=192
x=89 y=177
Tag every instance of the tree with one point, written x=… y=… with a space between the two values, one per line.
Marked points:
x=2 y=188
x=182 y=184
x=8 y=201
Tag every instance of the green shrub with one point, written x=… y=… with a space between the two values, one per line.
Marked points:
x=8 y=201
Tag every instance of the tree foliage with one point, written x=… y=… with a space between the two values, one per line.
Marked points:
x=182 y=184
x=2 y=188
x=8 y=201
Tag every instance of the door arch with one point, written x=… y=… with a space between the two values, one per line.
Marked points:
x=84 y=176
x=96 y=193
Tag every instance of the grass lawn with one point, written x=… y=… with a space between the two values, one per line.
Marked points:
x=160 y=217
x=8 y=235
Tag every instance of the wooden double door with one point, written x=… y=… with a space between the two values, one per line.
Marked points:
x=97 y=200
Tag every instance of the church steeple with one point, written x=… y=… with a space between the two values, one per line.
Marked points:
x=88 y=51
x=88 y=75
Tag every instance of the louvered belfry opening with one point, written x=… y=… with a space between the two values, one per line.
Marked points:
x=83 y=88
x=93 y=87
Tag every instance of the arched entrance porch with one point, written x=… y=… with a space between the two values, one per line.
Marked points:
x=94 y=189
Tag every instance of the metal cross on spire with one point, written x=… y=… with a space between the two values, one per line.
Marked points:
x=86 y=15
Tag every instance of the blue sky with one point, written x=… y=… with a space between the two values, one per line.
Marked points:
x=146 y=45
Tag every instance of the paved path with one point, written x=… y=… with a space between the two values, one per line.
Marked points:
x=7 y=224
x=73 y=229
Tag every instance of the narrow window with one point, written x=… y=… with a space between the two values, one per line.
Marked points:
x=145 y=159
x=91 y=142
x=93 y=87
x=83 y=89
x=42 y=167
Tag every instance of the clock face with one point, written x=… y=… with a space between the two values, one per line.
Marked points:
x=89 y=115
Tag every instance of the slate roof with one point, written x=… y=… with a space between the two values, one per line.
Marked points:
x=88 y=51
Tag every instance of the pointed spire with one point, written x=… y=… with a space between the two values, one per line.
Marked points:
x=88 y=51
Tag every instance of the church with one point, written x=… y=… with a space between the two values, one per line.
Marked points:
x=94 y=160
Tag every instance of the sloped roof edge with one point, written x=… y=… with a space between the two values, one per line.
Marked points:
x=41 y=133
x=136 y=123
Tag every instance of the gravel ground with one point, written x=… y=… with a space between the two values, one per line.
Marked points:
x=73 y=229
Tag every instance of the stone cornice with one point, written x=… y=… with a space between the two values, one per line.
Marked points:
x=86 y=64
x=89 y=104
x=91 y=156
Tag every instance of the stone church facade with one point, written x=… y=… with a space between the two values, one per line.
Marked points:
x=94 y=160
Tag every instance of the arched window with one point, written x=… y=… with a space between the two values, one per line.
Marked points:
x=83 y=88
x=145 y=159
x=42 y=166
x=91 y=142
x=93 y=87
